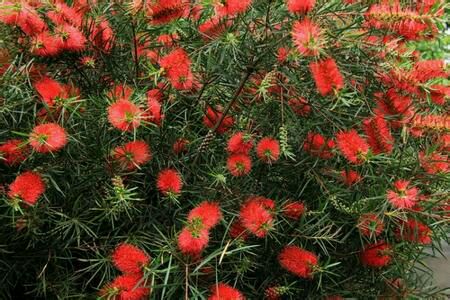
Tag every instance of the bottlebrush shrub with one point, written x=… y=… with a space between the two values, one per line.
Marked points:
x=232 y=149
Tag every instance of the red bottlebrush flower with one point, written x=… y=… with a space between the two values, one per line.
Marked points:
x=392 y=104
x=155 y=95
x=274 y=292
x=44 y=44
x=165 y=11
x=402 y=196
x=101 y=35
x=434 y=162
x=153 y=114
x=180 y=146
x=414 y=231
x=300 y=106
x=439 y=94
x=240 y=143
x=422 y=123
x=27 y=187
x=425 y=70
x=212 y=117
x=48 y=137
x=317 y=145
x=13 y=152
x=132 y=154
x=207 y=212
x=268 y=150
x=120 y=91
x=124 y=115
x=193 y=241
x=239 y=164
x=294 y=209
x=177 y=67
x=350 y=177
x=70 y=38
x=49 y=90
x=256 y=217
x=300 y=6
x=376 y=255
x=126 y=287
x=378 y=135
x=222 y=291
x=64 y=14
x=298 y=261
x=353 y=147
x=237 y=230
x=129 y=258
x=282 y=55
x=29 y=21
x=232 y=7
x=169 y=182
x=168 y=40
x=307 y=36
x=327 y=76
x=370 y=225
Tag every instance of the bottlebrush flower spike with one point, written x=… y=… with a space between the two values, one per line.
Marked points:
x=212 y=117
x=298 y=261
x=13 y=152
x=132 y=154
x=240 y=143
x=44 y=44
x=350 y=177
x=439 y=94
x=268 y=150
x=300 y=6
x=29 y=21
x=48 y=137
x=169 y=182
x=293 y=209
x=425 y=70
x=238 y=231
x=153 y=113
x=165 y=11
x=300 y=106
x=378 y=135
x=222 y=291
x=395 y=105
x=370 y=225
x=50 y=90
x=124 y=115
x=376 y=255
x=434 y=163
x=232 y=7
x=307 y=37
x=213 y=28
x=317 y=145
x=354 y=148
x=207 y=212
x=180 y=146
x=177 y=67
x=192 y=241
x=128 y=258
x=414 y=231
x=101 y=34
x=70 y=38
x=127 y=286
x=275 y=292
x=402 y=196
x=64 y=14
x=239 y=164
x=256 y=217
x=327 y=76
x=27 y=187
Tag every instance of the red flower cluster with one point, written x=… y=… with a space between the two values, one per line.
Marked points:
x=27 y=187
x=177 y=67
x=354 y=148
x=232 y=7
x=402 y=196
x=268 y=150
x=434 y=162
x=128 y=258
x=212 y=117
x=239 y=164
x=132 y=155
x=256 y=215
x=298 y=261
x=327 y=76
x=350 y=177
x=169 y=182
x=293 y=209
x=13 y=152
x=378 y=135
x=222 y=291
x=124 y=115
x=317 y=145
x=307 y=37
x=48 y=137
x=130 y=286
x=239 y=146
x=376 y=255
x=414 y=231
x=194 y=237
x=166 y=11
x=300 y=6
